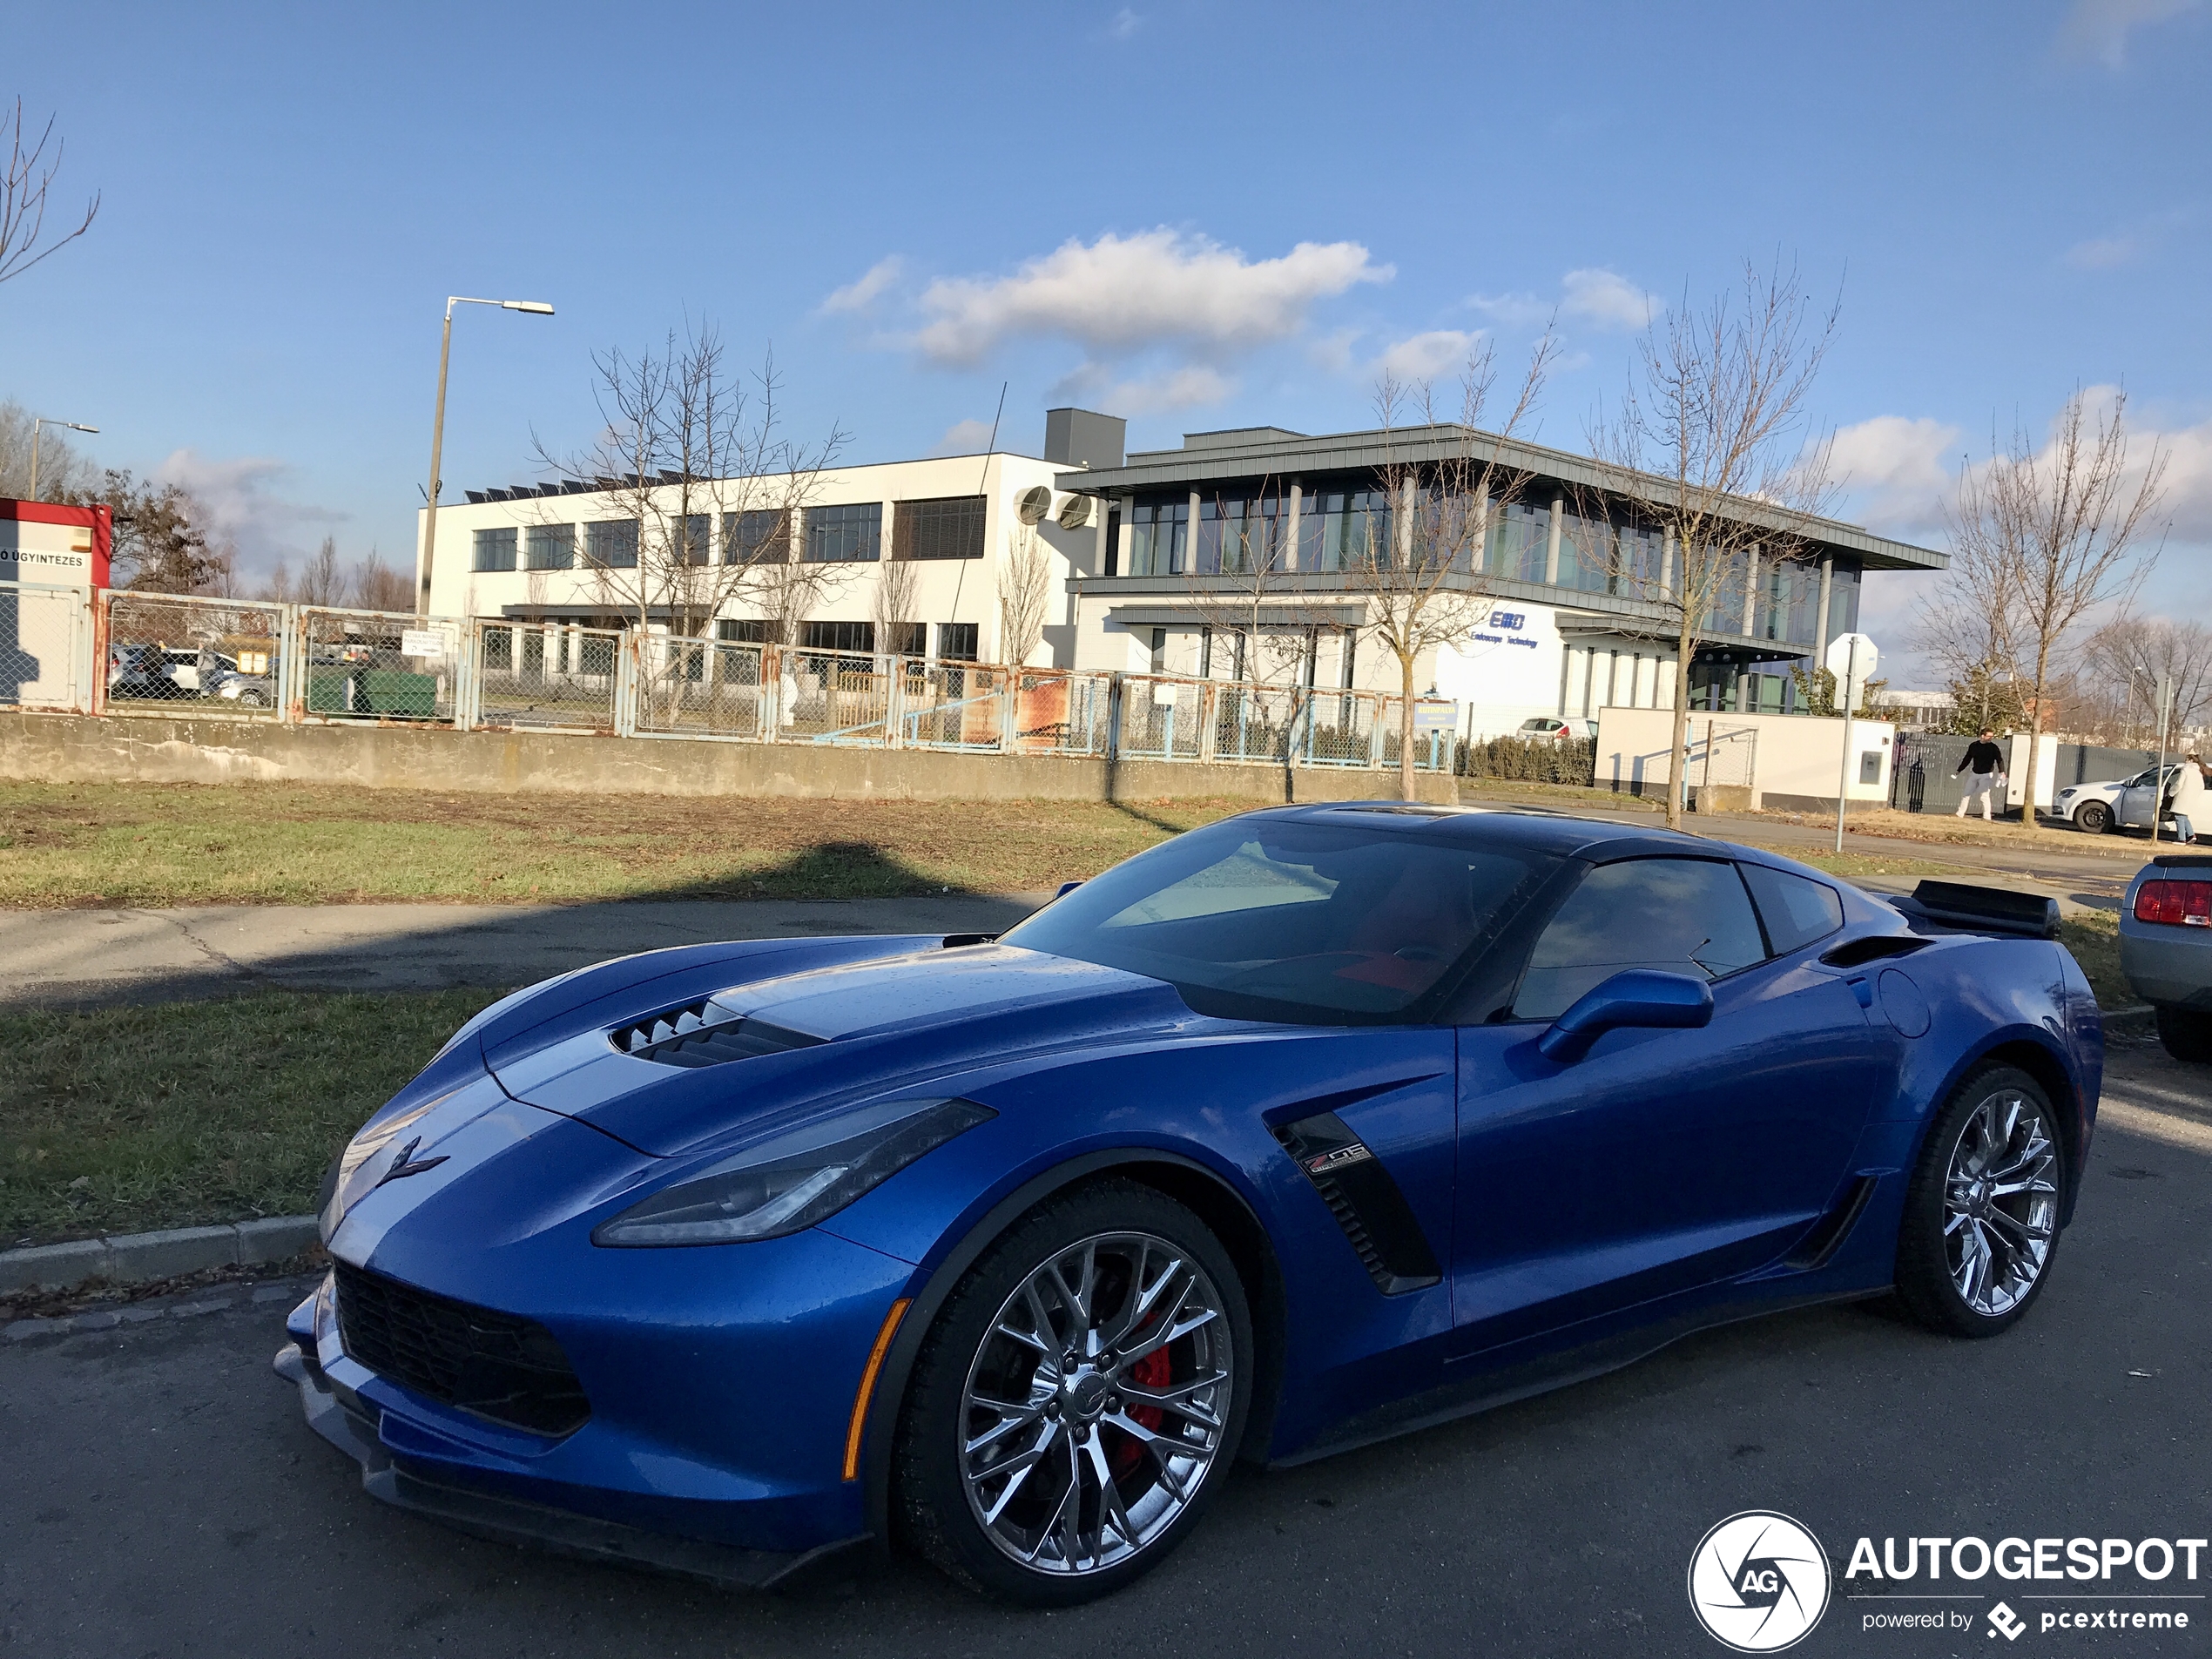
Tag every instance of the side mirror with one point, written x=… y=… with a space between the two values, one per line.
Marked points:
x=1636 y=997
x=1067 y=888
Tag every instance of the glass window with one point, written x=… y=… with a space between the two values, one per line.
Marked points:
x=1317 y=923
x=1156 y=536
x=1678 y=915
x=694 y=543
x=550 y=547
x=611 y=544
x=758 y=536
x=836 y=636
x=850 y=534
x=947 y=528
x=1343 y=530
x=1796 y=910
x=956 y=642
x=742 y=631
x=495 y=550
x=906 y=638
x=1241 y=534
x=1520 y=541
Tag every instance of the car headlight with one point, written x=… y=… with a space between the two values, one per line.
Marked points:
x=790 y=1182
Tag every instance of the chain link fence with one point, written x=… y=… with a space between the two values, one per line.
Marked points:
x=368 y=665
x=545 y=675
x=171 y=654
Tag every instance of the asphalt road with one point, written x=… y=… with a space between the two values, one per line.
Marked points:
x=162 y=1497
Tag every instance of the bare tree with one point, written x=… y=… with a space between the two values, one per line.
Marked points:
x=378 y=586
x=1025 y=591
x=1969 y=623
x=23 y=199
x=322 y=580
x=2129 y=655
x=1708 y=445
x=1414 y=563
x=688 y=454
x=897 y=598
x=64 y=473
x=2061 y=524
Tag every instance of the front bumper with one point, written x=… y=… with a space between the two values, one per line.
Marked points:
x=412 y=1461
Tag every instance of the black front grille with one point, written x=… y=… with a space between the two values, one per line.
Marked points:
x=496 y=1364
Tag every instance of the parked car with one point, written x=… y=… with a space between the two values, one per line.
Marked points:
x=1311 y=1126
x=2166 y=948
x=168 y=672
x=248 y=691
x=2123 y=804
x=1545 y=725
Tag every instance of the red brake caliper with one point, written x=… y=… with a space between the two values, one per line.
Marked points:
x=1154 y=1371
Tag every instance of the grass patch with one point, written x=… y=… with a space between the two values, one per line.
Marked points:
x=182 y=844
x=121 y=1120
x=2093 y=937
x=1943 y=828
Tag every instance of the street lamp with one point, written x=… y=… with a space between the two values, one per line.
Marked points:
x=535 y=308
x=47 y=420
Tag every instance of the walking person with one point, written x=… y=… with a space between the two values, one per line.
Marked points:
x=1987 y=761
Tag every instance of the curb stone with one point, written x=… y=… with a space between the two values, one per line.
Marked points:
x=98 y=1319
x=131 y=1258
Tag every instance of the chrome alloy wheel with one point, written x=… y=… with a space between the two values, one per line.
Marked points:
x=2001 y=1205
x=1096 y=1406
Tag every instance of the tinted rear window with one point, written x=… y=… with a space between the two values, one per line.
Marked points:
x=1796 y=909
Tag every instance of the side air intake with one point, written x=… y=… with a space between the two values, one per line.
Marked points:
x=1366 y=1202
x=696 y=1034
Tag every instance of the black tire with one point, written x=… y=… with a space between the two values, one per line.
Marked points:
x=1925 y=1288
x=930 y=1504
x=2092 y=817
x=2186 y=1034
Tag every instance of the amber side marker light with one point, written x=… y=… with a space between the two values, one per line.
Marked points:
x=867 y=1385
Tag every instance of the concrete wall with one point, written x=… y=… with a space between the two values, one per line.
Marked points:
x=61 y=748
x=1798 y=756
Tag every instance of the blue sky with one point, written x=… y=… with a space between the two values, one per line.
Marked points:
x=1199 y=214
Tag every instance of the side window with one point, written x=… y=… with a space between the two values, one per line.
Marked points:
x=1679 y=915
x=1796 y=910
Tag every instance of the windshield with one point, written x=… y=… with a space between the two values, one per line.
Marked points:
x=1290 y=921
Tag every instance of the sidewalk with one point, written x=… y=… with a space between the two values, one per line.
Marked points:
x=85 y=958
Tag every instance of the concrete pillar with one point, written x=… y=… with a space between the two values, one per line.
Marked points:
x=1290 y=529
x=1551 y=542
x=1483 y=532
x=1667 y=565
x=1827 y=581
x=1190 y=536
x=1751 y=589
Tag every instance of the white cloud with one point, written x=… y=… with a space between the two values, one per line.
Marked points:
x=859 y=295
x=1601 y=298
x=1608 y=299
x=1124 y=24
x=1894 y=471
x=1178 y=387
x=243 y=509
x=2102 y=253
x=2100 y=28
x=1427 y=356
x=1121 y=294
x=964 y=438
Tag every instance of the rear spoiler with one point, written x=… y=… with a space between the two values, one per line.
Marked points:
x=1953 y=906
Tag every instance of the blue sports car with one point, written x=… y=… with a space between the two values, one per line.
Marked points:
x=1311 y=1127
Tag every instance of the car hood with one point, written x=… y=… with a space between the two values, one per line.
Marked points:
x=914 y=1019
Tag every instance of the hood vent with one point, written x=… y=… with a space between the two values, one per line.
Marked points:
x=696 y=1034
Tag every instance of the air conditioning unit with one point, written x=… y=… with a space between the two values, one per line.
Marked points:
x=1078 y=512
x=1034 y=503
